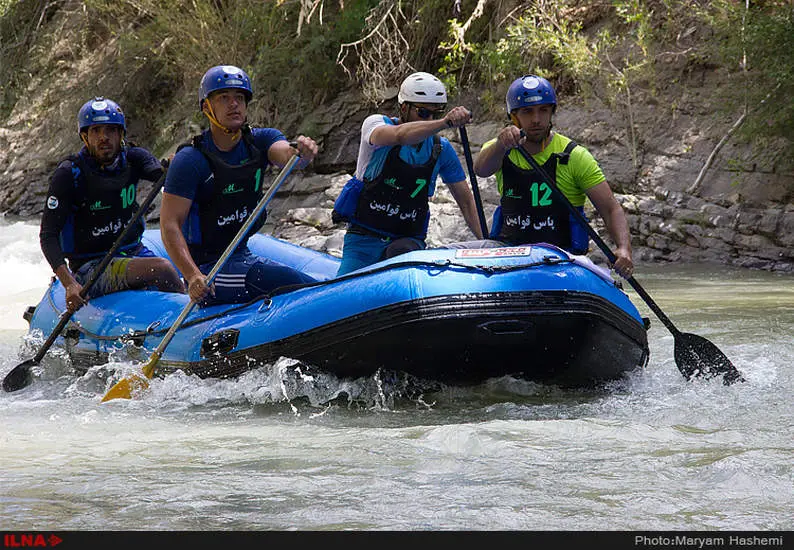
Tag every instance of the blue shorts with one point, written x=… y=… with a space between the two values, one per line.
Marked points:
x=114 y=278
x=246 y=276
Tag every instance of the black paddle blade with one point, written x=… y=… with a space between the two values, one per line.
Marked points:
x=19 y=377
x=696 y=356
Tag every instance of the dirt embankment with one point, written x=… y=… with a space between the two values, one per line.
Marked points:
x=740 y=212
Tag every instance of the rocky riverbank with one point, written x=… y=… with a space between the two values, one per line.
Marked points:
x=740 y=213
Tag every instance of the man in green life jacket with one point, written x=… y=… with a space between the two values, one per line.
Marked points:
x=528 y=211
x=90 y=200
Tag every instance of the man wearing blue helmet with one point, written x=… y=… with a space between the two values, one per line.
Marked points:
x=386 y=202
x=90 y=200
x=213 y=183
x=528 y=211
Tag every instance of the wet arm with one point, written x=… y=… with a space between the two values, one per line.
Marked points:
x=489 y=159
x=56 y=212
x=173 y=213
x=73 y=289
x=463 y=196
x=411 y=133
x=616 y=223
x=52 y=223
x=407 y=133
x=281 y=151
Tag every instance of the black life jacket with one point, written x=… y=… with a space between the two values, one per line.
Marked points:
x=236 y=190
x=395 y=202
x=531 y=213
x=103 y=205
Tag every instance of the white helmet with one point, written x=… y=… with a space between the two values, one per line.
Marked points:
x=422 y=88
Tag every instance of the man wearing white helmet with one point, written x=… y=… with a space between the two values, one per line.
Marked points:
x=399 y=159
x=90 y=200
x=529 y=212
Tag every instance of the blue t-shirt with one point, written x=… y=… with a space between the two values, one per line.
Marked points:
x=189 y=174
x=448 y=165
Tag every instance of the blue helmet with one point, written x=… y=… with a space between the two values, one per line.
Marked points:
x=530 y=90
x=100 y=111
x=224 y=77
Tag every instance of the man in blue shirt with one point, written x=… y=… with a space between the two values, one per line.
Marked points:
x=386 y=202
x=213 y=184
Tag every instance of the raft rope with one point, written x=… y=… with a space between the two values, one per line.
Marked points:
x=152 y=330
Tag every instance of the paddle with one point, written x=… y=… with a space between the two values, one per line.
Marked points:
x=694 y=355
x=20 y=376
x=464 y=139
x=124 y=388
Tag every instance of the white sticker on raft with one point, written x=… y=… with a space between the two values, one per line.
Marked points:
x=512 y=251
x=502 y=252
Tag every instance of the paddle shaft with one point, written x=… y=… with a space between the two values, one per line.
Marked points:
x=96 y=273
x=598 y=240
x=260 y=207
x=475 y=189
x=693 y=354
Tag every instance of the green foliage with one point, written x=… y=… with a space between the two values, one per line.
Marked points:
x=297 y=73
x=608 y=48
x=538 y=40
x=18 y=23
x=756 y=44
x=161 y=48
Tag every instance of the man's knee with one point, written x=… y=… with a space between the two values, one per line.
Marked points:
x=164 y=267
x=167 y=275
x=401 y=246
x=154 y=272
x=267 y=275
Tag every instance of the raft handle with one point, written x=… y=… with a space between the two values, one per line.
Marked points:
x=220 y=343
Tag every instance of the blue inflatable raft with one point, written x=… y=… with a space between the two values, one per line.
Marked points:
x=456 y=316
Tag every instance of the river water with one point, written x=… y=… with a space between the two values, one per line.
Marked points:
x=270 y=451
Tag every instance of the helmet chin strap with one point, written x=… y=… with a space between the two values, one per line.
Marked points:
x=207 y=110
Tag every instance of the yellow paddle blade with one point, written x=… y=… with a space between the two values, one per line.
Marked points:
x=126 y=387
